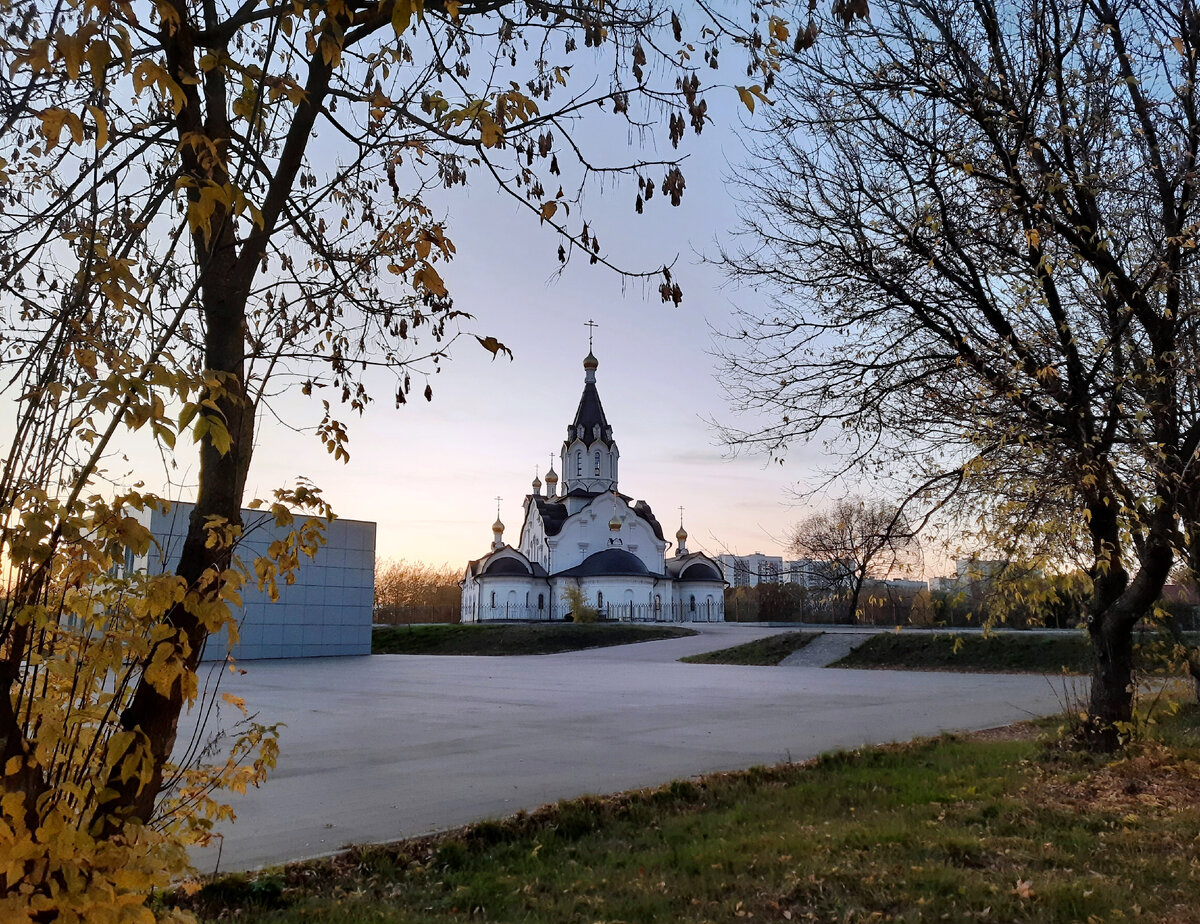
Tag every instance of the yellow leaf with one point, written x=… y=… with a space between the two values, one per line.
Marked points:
x=548 y=210
x=235 y=701
x=747 y=98
x=101 y=125
x=53 y=121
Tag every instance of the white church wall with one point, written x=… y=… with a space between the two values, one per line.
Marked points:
x=701 y=601
x=509 y=597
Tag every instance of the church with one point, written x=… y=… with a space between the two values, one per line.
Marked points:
x=584 y=537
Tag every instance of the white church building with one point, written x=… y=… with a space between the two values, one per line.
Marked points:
x=584 y=533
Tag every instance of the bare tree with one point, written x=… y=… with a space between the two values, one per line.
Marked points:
x=854 y=540
x=979 y=226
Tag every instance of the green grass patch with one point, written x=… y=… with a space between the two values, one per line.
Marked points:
x=996 y=828
x=1002 y=652
x=514 y=638
x=769 y=650
x=1005 y=652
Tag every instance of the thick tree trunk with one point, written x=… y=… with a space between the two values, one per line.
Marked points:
x=1110 y=625
x=1110 y=702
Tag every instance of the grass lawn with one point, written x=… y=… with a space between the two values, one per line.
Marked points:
x=1015 y=652
x=1000 y=827
x=769 y=650
x=1007 y=651
x=513 y=638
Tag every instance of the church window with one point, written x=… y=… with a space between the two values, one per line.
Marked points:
x=597 y=464
x=692 y=603
x=541 y=601
x=579 y=463
x=493 y=598
x=599 y=599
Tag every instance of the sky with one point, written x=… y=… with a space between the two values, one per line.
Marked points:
x=429 y=473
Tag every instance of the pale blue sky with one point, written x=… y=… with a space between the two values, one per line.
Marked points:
x=429 y=473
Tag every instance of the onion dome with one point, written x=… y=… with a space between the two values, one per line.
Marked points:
x=615 y=523
x=537 y=484
x=590 y=363
x=497 y=527
x=681 y=534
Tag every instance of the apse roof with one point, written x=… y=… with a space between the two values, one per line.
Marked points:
x=695 y=566
x=507 y=566
x=700 y=571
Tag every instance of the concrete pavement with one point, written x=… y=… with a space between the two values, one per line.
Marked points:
x=391 y=746
x=827 y=648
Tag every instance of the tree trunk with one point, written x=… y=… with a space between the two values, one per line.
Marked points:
x=856 y=584
x=1110 y=702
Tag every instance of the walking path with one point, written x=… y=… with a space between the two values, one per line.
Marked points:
x=826 y=649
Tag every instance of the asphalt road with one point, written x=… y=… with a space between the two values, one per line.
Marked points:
x=390 y=746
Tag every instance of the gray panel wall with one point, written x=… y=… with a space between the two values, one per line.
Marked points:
x=326 y=612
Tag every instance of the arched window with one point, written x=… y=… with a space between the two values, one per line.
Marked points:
x=527 y=598
x=541 y=601
x=599 y=599
x=578 y=463
x=657 y=603
x=493 y=598
x=597 y=463
x=692 y=603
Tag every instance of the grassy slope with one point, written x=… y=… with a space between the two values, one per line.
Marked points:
x=1006 y=652
x=1002 y=652
x=950 y=829
x=769 y=650
x=513 y=639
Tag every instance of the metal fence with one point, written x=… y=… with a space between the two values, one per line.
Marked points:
x=412 y=615
x=700 y=611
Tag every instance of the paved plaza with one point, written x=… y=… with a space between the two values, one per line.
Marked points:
x=389 y=746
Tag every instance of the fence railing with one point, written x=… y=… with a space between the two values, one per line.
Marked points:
x=410 y=615
x=610 y=612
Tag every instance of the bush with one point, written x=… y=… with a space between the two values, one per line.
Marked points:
x=578 y=607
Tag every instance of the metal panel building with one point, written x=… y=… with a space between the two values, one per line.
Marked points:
x=326 y=612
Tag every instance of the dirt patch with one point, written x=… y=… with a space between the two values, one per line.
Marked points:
x=1018 y=731
x=1152 y=782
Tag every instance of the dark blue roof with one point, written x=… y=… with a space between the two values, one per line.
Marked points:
x=506 y=566
x=700 y=572
x=610 y=561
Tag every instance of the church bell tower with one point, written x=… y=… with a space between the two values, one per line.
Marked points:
x=589 y=454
